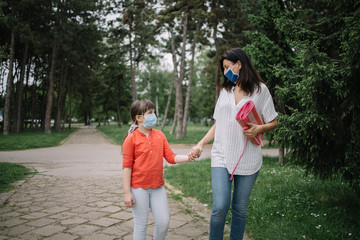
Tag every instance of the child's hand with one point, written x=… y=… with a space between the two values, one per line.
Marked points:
x=129 y=200
x=196 y=151
x=191 y=157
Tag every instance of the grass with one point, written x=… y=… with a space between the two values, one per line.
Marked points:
x=10 y=173
x=114 y=132
x=195 y=133
x=285 y=204
x=32 y=138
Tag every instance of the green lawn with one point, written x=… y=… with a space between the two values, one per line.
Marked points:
x=10 y=173
x=284 y=203
x=32 y=138
x=195 y=133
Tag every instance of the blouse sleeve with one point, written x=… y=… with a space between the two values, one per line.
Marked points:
x=168 y=154
x=268 y=111
x=128 y=152
x=216 y=110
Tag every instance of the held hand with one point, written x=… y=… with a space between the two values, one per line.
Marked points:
x=191 y=157
x=253 y=131
x=196 y=151
x=129 y=200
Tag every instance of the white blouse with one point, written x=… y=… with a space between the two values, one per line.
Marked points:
x=229 y=139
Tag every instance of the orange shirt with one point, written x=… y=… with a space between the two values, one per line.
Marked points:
x=145 y=157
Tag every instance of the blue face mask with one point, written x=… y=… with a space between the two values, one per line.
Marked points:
x=150 y=121
x=231 y=75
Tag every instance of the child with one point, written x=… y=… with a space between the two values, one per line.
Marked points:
x=143 y=152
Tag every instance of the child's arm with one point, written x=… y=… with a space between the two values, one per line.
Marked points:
x=129 y=198
x=182 y=158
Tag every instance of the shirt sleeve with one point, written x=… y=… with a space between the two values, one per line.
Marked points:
x=128 y=152
x=268 y=112
x=216 y=110
x=169 y=155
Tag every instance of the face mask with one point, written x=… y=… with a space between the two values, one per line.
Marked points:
x=231 y=75
x=150 y=120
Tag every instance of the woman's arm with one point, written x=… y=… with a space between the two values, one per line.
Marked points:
x=254 y=129
x=197 y=150
x=129 y=198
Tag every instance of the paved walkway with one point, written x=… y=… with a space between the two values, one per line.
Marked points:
x=78 y=194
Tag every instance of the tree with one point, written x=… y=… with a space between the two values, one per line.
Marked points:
x=314 y=66
x=56 y=51
x=9 y=87
x=178 y=18
x=137 y=18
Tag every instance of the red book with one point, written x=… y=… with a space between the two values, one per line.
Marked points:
x=246 y=114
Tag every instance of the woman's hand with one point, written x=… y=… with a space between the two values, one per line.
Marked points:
x=196 y=151
x=129 y=200
x=252 y=131
x=255 y=130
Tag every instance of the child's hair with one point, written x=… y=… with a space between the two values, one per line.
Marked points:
x=139 y=107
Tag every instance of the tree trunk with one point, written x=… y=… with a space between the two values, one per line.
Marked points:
x=33 y=95
x=281 y=153
x=217 y=48
x=132 y=69
x=188 y=92
x=50 y=94
x=176 y=78
x=179 y=86
x=173 y=127
x=157 y=100
x=24 y=116
x=167 y=104
x=118 y=113
x=117 y=89
x=9 y=87
x=19 y=119
x=61 y=97
x=70 y=114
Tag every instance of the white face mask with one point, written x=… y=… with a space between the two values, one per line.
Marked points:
x=150 y=120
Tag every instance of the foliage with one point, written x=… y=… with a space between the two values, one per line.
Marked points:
x=309 y=54
x=10 y=173
x=284 y=203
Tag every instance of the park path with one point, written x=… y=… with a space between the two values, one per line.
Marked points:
x=77 y=194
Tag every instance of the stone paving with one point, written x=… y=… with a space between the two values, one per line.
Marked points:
x=50 y=207
x=84 y=201
x=77 y=194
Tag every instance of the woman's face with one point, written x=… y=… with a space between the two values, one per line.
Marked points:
x=227 y=64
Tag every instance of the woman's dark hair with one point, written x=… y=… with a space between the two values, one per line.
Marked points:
x=248 y=79
x=139 y=107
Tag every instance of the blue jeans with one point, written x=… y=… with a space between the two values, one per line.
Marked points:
x=221 y=187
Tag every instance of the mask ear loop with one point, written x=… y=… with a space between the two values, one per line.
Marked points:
x=132 y=128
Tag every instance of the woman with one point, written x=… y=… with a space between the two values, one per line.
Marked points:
x=241 y=84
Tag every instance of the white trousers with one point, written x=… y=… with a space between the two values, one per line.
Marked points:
x=156 y=200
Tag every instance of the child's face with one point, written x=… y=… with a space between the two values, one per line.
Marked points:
x=141 y=118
